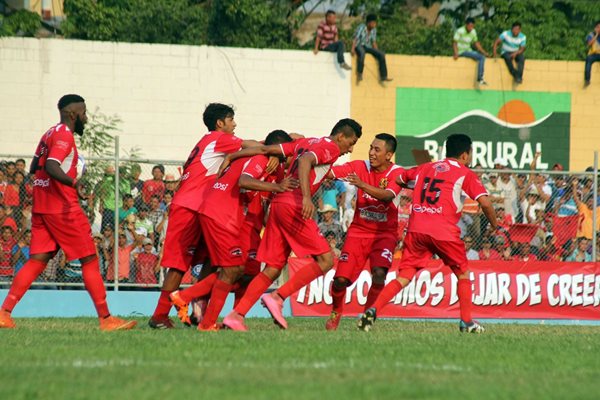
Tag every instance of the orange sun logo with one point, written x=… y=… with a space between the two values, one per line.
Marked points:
x=516 y=112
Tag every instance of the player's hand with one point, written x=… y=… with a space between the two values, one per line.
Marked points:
x=354 y=180
x=81 y=191
x=272 y=164
x=288 y=184
x=223 y=166
x=308 y=208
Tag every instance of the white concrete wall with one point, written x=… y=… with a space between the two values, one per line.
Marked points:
x=160 y=91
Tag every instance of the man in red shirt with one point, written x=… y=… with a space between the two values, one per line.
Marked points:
x=183 y=238
x=291 y=225
x=56 y=212
x=374 y=230
x=222 y=219
x=154 y=186
x=438 y=197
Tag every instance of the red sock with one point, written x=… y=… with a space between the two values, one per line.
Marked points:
x=376 y=288
x=93 y=283
x=25 y=277
x=302 y=278
x=220 y=290
x=465 y=298
x=199 y=289
x=337 y=296
x=164 y=305
x=239 y=292
x=387 y=294
x=255 y=289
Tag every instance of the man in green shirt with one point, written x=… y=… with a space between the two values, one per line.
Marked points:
x=105 y=194
x=465 y=38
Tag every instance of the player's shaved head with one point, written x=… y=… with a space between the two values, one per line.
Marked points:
x=458 y=144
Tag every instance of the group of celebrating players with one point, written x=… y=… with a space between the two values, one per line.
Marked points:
x=230 y=187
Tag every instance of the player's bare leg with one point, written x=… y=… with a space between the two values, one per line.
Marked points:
x=465 y=299
x=378 y=276
x=365 y=323
x=227 y=277
x=274 y=301
x=257 y=287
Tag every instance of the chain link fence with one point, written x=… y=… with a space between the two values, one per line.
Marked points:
x=546 y=216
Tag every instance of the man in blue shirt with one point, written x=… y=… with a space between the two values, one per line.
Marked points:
x=593 y=43
x=513 y=47
x=365 y=41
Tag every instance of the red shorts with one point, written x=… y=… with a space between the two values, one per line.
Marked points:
x=69 y=231
x=224 y=247
x=286 y=230
x=420 y=247
x=378 y=250
x=183 y=236
x=250 y=241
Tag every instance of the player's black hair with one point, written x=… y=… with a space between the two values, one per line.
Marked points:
x=69 y=99
x=329 y=12
x=215 y=112
x=277 y=137
x=457 y=144
x=371 y=17
x=390 y=141
x=516 y=24
x=348 y=127
x=160 y=167
x=470 y=20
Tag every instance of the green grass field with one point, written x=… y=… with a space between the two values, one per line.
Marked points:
x=72 y=359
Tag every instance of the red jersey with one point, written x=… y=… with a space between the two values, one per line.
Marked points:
x=325 y=151
x=6 y=265
x=152 y=188
x=49 y=195
x=438 y=197
x=222 y=201
x=254 y=202
x=202 y=164
x=372 y=216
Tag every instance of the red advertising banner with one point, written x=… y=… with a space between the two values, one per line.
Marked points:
x=501 y=289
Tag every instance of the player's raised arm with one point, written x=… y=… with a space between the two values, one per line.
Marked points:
x=305 y=164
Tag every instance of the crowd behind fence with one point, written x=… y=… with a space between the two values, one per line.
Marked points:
x=545 y=216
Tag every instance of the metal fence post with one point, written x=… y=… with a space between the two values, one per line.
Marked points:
x=116 y=216
x=594 y=208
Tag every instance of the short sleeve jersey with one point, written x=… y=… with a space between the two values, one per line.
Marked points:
x=464 y=40
x=372 y=216
x=49 y=195
x=364 y=37
x=202 y=165
x=595 y=47
x=326 y=153
x=440 y=189
x=510 y=43
x=253 y=201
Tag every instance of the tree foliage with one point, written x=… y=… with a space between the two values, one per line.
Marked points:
x=20 y=23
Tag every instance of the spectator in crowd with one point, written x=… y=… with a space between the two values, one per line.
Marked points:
x=465 y=38
x=486 y=252
x=171 y=183
x=328 y=40
x=580 y=254
x=142 y=221
x=3 y=182
x=161 y=228
x=593 y=44
x=494 y=190
x=506 y=253
x=10 y=171
x=559 y=186
x=20 y=251
x=167 y=199
x=146 y=264
x=128 y=207
x=586 y=212
x=508 y=188
x=472 y=254
x=365 y=41
x=102 y=253
x=329 y=224
x=136 y=183
x=566 y=205
x=12 y=192
x=20 y=165
x=525 y=254
x=105 y=195
x=333 y=243
x=504 y=220
x=550 y=251
x=404 y=210
x=513 y=47
x=332 y=193
x=6 y=219
x=124 y=254
x=529 y=205
x=155 y=213
x=7 y=242
x=156 y=186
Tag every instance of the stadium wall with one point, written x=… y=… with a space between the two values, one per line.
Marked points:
x=159 y=91
x=427 y=93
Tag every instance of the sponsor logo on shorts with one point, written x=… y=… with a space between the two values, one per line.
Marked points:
x=220 y=186
x=41 y=182
x=374 y=213
x=343 y=257
x=236 y=252
x=426 y=210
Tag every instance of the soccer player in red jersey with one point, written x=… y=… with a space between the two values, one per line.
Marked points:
x=290 y=225
x=438 y=198
x=183 y=232
x=57 y=218
x=222 y=220
x=373 y=233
